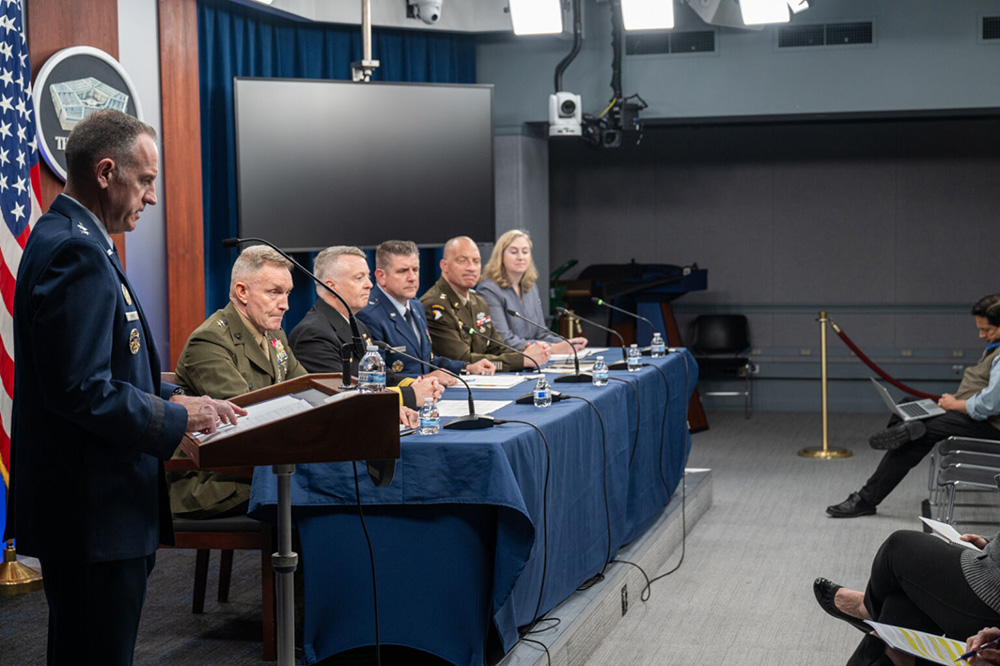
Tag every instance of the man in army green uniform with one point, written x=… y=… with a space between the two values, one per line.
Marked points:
x=238 y=349
x=453 y=307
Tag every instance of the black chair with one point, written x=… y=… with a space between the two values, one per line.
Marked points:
x=720 y=344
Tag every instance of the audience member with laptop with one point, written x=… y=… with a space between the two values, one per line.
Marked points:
x=914 y=428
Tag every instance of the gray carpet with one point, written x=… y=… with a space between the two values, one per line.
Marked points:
x=744 y=593
x=742 y=596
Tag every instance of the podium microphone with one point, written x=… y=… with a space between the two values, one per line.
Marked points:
x=472 y=421
x=564 y=311
x=473 y=331
x=359 y=348
x=576 y=377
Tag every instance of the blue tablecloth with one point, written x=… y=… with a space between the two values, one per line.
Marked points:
x=482 y=530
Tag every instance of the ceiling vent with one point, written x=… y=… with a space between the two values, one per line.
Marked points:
x=825 y=34
x=991 y=27
x=670 y=42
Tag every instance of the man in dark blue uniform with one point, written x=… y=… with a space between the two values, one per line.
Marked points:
x=394 y=315
x=91 y=420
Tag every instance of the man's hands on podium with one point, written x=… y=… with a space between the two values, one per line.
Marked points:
x=205 y=414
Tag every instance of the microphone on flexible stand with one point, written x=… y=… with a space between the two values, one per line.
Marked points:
x=473 y=331
x=577 y=377
x=471 y=421
x=356 y=342
x=564 y=311
x=600 y=301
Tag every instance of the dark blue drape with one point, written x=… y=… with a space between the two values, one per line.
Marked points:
x=235 y=40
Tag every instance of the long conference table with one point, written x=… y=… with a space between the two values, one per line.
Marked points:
x=483 y=531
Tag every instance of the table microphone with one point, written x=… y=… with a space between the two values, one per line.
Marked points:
x=506 y=346
x=472 y=421
x=646 y=351
x=564 y=311
x=576 y=377
x=359 y=347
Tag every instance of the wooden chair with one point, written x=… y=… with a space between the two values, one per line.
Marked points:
x=227 y=535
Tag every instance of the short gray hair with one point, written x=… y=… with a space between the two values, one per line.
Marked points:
x=326 y=261
x=251 y=260
x=105 y=134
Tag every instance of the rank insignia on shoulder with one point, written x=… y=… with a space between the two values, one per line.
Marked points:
x=83 y=229
x=128 y=297
x=133 y=341
x=221 y=323
x=397 y=366
x=444 y=297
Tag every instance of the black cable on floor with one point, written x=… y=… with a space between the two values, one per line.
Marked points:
x=548 y=657
x=371 y=557
x=545 y=512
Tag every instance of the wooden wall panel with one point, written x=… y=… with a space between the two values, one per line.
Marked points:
x=181 y=137
x=53 y=25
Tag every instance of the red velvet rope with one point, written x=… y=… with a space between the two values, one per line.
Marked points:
x=881 y=373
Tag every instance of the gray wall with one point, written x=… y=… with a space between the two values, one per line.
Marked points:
x=927 y=55
x=145 y=248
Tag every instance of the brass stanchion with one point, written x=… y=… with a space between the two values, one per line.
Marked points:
x=824 y=453
x=16 y=578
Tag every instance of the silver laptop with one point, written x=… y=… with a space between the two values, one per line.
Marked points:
x=908 y=411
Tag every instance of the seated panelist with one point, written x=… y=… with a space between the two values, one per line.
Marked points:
x=453 y=307
x=317 y=339
x=395 y=316
x=509 y=284
x=236 y=350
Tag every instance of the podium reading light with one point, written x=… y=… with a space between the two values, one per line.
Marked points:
x=536 y=17
x=757 y=12
x=648 y=14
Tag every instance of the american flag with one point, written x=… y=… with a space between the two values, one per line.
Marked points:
x=20 y=185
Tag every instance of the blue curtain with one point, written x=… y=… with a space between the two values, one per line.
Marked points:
x=235 y=40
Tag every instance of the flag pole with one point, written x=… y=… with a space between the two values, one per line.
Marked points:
x=17 y=578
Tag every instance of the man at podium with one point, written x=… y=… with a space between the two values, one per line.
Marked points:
x=238 y=349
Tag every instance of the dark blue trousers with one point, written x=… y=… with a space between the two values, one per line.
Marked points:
x=94 y=609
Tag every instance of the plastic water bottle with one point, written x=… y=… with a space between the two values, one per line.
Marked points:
x=430 y=419
x=543 y=392
x=657 y=348
x=634 y=359
x=600 y=372
x=371 y=372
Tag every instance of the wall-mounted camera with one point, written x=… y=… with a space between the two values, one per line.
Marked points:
x=565 y=114
x=428 y=11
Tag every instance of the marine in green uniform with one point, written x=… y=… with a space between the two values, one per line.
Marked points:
x=453 y=307
x=238 y=349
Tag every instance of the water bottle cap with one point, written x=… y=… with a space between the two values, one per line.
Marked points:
x=635 y=346
x=428 y=400
x=656 y=334
x=372 y=348
x=600 y=358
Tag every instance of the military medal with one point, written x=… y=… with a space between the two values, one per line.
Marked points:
x=128 y=297
x=482 y=319
x=280 y=349
x=133 y=341
x=397 y=366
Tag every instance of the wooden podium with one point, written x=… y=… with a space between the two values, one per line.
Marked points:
x=352 y=427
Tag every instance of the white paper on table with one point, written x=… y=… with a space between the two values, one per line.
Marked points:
x=589 y=351
x=563 y=370
x=452 y=408
x=504 y=381
x=937 y=649
x=259 y=414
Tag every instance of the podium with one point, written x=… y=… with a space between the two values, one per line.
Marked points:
x=351 y=426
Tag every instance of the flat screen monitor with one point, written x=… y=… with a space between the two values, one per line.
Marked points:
x=323 y=163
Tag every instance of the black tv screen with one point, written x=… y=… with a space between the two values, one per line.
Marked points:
x=323 y=163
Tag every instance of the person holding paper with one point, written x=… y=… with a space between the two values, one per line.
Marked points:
x=509 y=284
x=919 y=581
x=988 y=656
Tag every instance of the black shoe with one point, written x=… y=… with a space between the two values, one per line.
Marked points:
x=852 y=507
x=825 y=591
x=896 y=436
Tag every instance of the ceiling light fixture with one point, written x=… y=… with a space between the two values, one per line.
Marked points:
x=648 y=14
x=758 y=12
x=536 y=17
